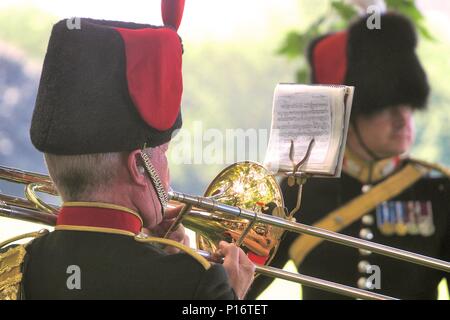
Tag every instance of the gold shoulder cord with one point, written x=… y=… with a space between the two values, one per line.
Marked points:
x=357 y=207
x=435 y=166
x=10 y=266
x=145 y=239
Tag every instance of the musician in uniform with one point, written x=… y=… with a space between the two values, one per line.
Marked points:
x=383 y=195
x=108 y=103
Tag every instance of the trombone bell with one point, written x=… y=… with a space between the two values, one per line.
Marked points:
x=244 y=185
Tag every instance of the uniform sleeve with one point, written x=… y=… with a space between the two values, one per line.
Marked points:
x=214 y=285
x=262 y=282
x=282 y=255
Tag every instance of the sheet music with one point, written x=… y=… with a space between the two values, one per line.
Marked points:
x=300 y=116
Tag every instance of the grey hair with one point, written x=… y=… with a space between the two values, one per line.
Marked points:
x=79 y=177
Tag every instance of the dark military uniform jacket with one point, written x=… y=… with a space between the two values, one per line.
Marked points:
x=94 y=254
x=417 y=220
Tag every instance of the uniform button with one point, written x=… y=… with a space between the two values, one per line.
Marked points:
x=362 y=283
x=366 y=234
x=365 y=188
x=141 y=235
x=367 y=220
x=363 y=266
x=365 y=252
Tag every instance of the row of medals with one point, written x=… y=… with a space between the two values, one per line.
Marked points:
x=405 y=217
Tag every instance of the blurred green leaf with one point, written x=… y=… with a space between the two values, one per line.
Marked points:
x=345 y=11
x=406 y=7
x=423 y=30
x=295 y=43
x=292 y=45
x=302 y=75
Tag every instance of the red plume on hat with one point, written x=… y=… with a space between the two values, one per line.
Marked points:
x=110 y=86
x=172 y=12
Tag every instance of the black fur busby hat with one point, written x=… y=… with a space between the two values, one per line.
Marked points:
x=109 y=86
x=381 y=63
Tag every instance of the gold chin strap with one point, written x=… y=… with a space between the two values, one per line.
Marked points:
x=156 y=181
x=146 y=239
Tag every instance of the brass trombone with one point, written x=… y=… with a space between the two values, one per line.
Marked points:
x=243 y=203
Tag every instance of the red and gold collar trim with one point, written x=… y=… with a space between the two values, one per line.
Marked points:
x=369 y=172
x=98 y=217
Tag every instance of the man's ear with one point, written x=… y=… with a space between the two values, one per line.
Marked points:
x=135 y=168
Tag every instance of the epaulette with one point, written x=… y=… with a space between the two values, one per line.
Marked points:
x=433 y=166
x=11 y=266
x=146 y=239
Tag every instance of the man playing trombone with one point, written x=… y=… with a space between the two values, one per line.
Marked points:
x=107 y=106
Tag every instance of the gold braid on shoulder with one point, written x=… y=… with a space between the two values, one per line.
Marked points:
x=146 y=239
x=11 y=263
x=434 y=166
